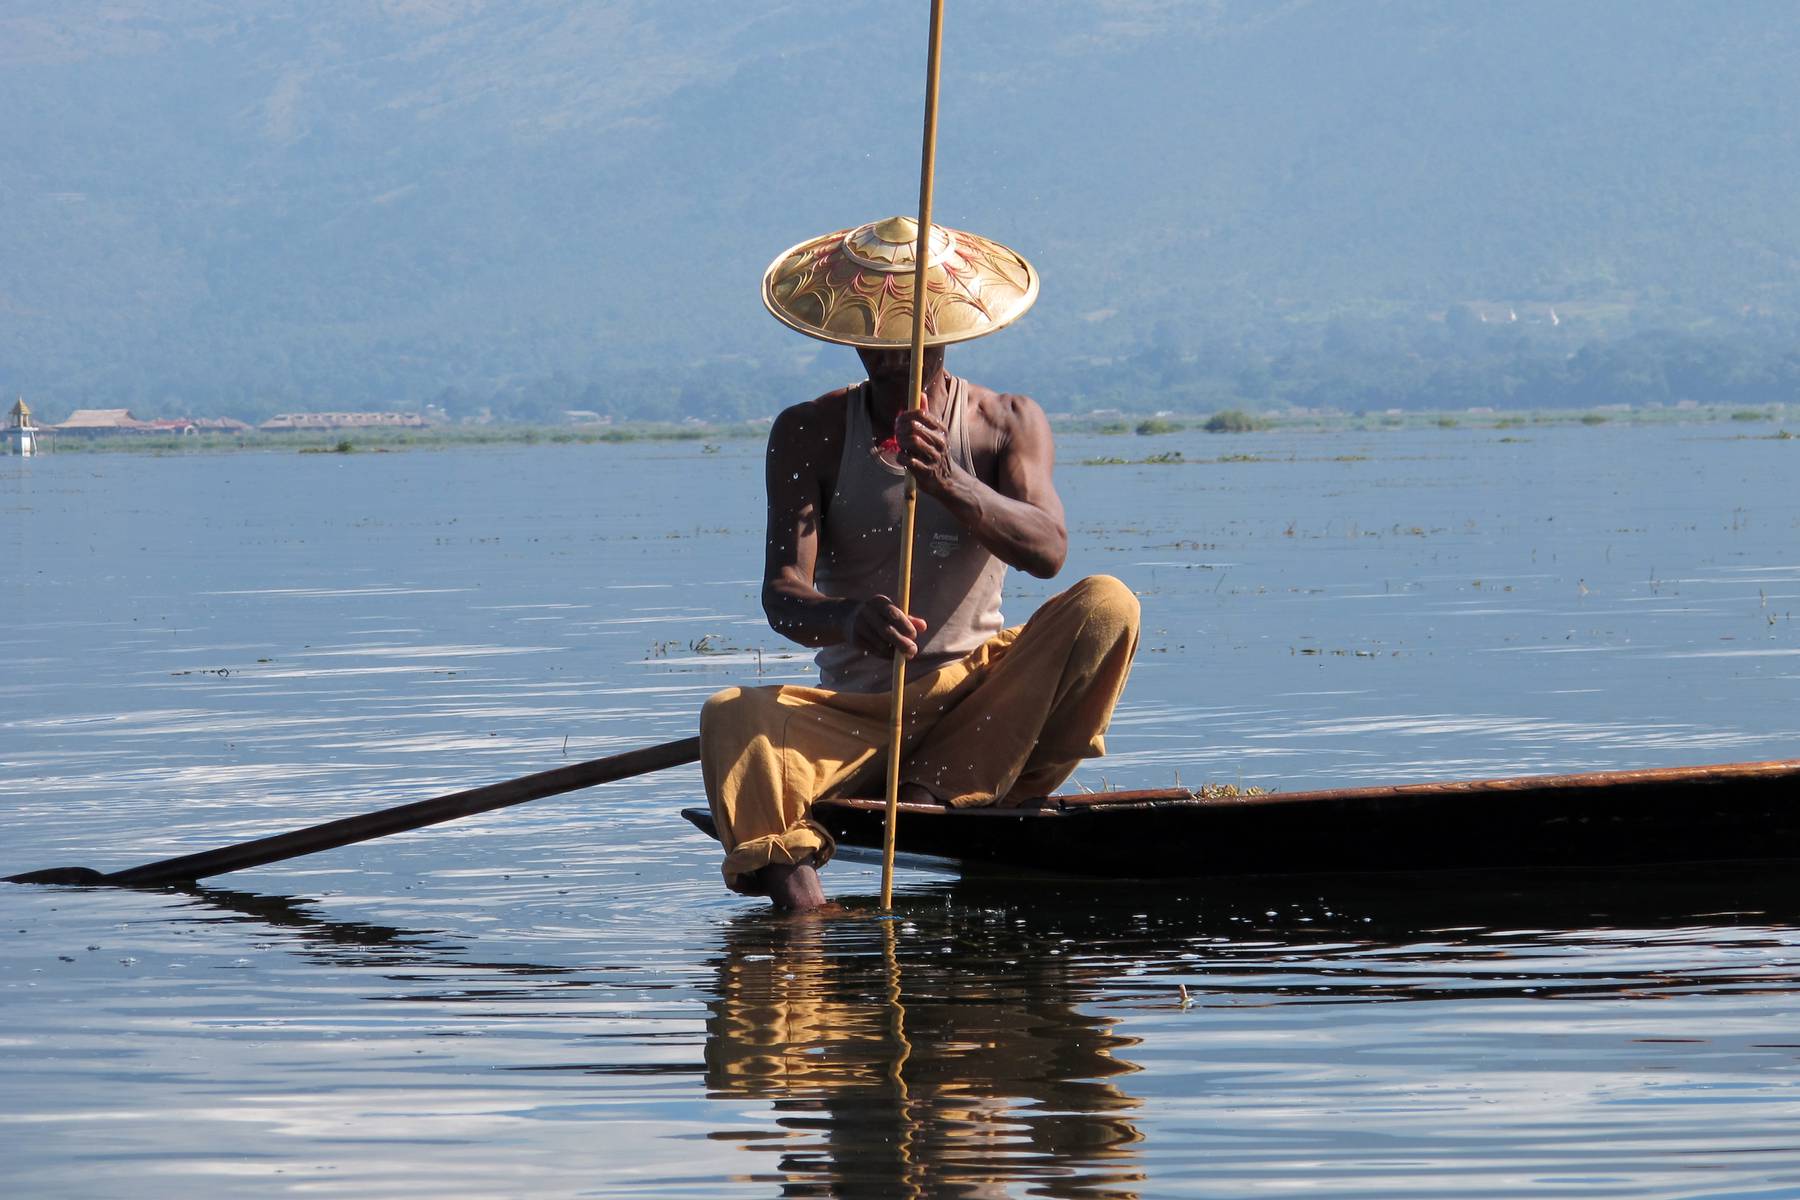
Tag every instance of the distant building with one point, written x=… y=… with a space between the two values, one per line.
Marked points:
x=179 y=426
x=99 y=422
x=96 y=422
x=296 y=422
x=21 y=434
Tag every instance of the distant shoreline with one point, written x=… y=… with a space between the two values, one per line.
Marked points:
x=1231 y=422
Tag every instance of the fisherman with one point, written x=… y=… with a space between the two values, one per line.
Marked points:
x=992 y=715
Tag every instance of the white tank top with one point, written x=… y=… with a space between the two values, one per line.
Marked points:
x=956 y=583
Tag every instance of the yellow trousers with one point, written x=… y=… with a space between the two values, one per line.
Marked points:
x=1008 y=722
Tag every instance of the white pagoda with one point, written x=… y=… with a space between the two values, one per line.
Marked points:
x=20 y=433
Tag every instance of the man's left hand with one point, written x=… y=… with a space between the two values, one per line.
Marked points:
x=925 y=450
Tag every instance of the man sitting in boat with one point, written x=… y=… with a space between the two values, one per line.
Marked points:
x=992 y=714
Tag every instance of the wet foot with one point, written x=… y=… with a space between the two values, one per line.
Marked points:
x=792 y=888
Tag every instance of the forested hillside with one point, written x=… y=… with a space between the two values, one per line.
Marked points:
x=525 y=207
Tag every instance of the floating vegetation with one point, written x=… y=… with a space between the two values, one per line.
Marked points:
x=1752 y=414
x=1175 y=458
x=1233 y=420
x=1157 y=425
x=1167 y=458
x=1593 y=419
x=1228 y=791
x=706 y=643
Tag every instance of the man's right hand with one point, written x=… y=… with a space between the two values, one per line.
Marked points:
x=878 y=626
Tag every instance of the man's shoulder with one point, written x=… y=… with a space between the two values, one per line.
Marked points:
x=822 y=416
x=1005 y=412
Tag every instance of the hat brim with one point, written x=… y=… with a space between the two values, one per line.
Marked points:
x=824 y=288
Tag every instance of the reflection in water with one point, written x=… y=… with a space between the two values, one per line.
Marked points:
x=901 y=1071
x=952 y=1062
x=397 y=953
x=1358 y=1038
x=975 y=1049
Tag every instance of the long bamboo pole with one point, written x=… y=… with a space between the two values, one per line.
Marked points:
x=915 y=398
x=350 y=830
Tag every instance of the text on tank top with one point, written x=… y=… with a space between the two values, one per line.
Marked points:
x=956 y=582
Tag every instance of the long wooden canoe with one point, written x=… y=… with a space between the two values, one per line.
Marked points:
x=1723 y=812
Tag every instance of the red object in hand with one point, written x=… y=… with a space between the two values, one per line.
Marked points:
x=891 y=443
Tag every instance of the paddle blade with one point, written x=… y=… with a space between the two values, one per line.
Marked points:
x=59 y=875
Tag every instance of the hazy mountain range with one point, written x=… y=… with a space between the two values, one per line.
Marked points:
x=212 y=206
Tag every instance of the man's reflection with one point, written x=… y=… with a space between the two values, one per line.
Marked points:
x=903 y=1069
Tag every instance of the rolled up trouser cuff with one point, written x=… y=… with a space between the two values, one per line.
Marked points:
x=802 y=842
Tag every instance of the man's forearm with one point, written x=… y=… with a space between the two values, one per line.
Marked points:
x=1019 y=534
x=806 y=615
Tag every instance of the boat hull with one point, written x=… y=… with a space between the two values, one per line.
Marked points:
x=1730 y=811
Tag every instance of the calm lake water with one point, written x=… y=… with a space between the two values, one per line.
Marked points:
x=561 y=999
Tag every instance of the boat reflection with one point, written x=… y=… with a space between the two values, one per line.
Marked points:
x=956 y=1064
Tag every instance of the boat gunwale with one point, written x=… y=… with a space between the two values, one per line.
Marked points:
x=1714 y=774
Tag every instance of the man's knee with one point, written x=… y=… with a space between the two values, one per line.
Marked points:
x=720 y=701
x=737 y=716
x=1109 y=606
x=723 y=710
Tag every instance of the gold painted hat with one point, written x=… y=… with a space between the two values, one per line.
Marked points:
x=855 y=287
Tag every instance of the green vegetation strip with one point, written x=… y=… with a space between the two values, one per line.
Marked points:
x=380 y=440
x=1228 y=421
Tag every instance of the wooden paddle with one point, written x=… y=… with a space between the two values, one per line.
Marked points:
x=350 y=830
x=915 y=398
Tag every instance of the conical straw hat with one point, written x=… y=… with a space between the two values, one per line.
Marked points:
x=855 y=287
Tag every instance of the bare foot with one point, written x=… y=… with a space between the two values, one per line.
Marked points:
x=918 y=793
x=793 y=887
